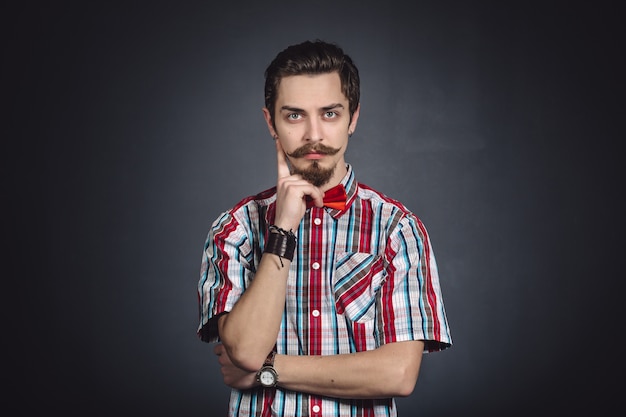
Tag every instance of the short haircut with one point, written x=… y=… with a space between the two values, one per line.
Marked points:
x=316 y=57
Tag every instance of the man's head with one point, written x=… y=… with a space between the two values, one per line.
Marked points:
x=312 y=108
x=310 y=58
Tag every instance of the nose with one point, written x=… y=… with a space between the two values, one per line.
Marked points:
x=314 y=130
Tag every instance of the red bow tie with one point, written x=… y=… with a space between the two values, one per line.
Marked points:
x=334 y=198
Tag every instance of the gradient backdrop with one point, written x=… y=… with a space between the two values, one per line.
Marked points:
x=132 y=125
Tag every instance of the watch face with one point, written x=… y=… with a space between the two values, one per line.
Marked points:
x=267 y=378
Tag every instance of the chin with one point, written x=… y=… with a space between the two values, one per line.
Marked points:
x=316 y=174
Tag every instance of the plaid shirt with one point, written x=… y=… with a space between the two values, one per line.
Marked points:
x=360 y=278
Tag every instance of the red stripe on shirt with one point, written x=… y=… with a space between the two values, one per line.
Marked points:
x=222 y=264
x=315 y=287
x=430 y=292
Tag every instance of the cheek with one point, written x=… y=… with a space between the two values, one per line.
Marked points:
x=287 y=145
x=288 y=136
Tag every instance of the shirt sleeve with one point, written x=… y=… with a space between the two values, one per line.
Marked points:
x=411 y=302
x=224 y=272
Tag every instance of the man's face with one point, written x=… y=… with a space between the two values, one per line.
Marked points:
x=312 y=122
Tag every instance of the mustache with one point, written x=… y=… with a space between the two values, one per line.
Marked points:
x=313 y=148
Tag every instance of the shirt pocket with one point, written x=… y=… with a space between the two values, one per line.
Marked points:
x=357 y=280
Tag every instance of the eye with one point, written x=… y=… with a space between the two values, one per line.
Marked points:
x=330 y=114
x=293 y=116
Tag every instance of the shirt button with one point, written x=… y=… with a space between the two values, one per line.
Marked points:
x=316 y=265
x=317 y=221
x=316 y=408
x=316 y=313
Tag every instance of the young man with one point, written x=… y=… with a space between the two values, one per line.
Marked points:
x=320 y=308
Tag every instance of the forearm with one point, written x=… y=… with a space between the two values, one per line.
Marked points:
x=249 y=331
x=390 y=371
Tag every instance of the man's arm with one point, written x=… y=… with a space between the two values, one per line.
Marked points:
x=389 y=371
x=249 y=332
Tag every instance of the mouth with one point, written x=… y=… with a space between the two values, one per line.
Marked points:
x=314 y=156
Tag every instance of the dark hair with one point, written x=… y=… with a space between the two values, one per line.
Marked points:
x=312 y=58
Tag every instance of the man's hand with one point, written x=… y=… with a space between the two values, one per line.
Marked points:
x=291 y=191
x=233 y=376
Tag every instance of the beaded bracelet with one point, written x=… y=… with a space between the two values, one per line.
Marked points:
x=280 y=242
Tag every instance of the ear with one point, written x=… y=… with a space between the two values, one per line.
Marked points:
x=355 y=118
x=268 y=121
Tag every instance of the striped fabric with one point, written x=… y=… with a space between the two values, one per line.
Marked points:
x=360 y=278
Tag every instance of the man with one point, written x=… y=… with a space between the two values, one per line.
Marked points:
x=321 y=308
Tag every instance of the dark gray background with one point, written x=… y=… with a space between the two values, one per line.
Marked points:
x=131 y=126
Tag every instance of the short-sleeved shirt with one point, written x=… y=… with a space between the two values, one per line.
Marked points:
x=361 y=277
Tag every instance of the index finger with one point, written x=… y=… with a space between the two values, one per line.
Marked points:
x=283 y=167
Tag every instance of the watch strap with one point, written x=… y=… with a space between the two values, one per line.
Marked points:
x=268 y=368
x=269 y=361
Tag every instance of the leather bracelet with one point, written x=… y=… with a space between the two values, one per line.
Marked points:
x=280 y=242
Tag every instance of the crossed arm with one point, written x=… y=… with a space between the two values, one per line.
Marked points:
x=250 y=330
x=389 y=371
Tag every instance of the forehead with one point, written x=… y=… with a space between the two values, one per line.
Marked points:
x=310 y=89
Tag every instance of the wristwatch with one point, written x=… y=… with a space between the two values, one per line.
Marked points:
x=267 y=375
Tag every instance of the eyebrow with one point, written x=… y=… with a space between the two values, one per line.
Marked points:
x=325 y=108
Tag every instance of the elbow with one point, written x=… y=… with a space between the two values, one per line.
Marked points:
x=406 y=379
x=405 y=366
x=405 y=388
x=247 y=359
x=245 y=355
x=250 y=364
